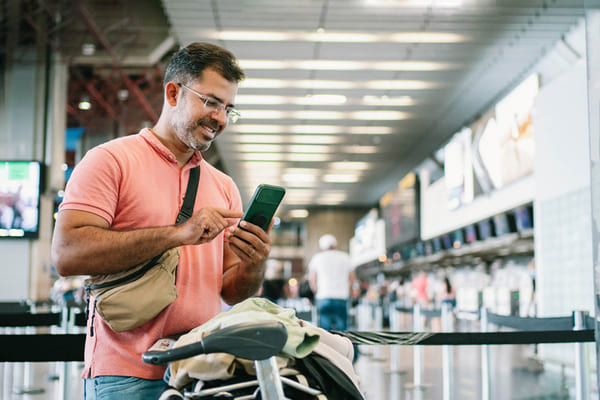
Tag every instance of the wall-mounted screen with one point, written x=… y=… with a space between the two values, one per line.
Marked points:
x=484 y=229
x=504 y=223
x=436 y=244
x=20 y=187
x=524 y=217
x=458 y=238
x=470 y=234
x=400 y=211
x=447 y=241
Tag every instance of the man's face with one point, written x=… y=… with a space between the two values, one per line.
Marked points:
x=195 y=123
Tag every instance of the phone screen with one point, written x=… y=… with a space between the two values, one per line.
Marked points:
x=263 y=204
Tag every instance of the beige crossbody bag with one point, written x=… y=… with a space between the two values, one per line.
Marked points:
x=130 y=298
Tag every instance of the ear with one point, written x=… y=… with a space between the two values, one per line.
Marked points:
x=171 y=91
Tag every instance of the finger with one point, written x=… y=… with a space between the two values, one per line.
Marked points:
x=255 y=229
x=226 y=213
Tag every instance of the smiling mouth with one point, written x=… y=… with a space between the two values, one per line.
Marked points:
x=211 y=130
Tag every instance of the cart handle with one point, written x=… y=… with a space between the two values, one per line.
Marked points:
x=248 y=340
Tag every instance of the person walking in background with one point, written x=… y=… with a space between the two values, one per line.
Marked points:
x=331 y=276
x=449 y=294
x=420 y=289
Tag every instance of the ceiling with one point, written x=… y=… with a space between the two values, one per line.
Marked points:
x=342 y=97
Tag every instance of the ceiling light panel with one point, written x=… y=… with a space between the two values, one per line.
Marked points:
x=375 y=115
x=324 y=99
x=338 y=84
x=305 y=139
x=350 y=65
x=335 y=37
x=311 y=129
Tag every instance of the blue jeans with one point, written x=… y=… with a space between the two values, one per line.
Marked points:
x=333 y=314
x=122 y=387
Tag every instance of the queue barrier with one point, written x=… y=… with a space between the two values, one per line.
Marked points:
x=68 y=346
x=29 y=333
x=577 y=328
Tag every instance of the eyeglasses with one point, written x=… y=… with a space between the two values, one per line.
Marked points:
x=215 y=106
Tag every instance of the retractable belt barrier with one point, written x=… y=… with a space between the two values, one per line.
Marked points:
x=69 y=347
x=42 y=347
x=467 y=338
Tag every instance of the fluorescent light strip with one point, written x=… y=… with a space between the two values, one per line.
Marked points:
x=349 y=165
x=311 y=129
x=317 y=99
x=360 y=149
x=298 y=213
x=277 y=148
x=403 y=84
x=374 y=115
x=334 y=37
x=305 y=139
x=300 y=157
x=323 y=99
x=342 y=178
x=347 y=65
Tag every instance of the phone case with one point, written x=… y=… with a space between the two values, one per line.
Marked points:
x=263 y=204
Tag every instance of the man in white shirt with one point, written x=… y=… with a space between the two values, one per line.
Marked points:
x=331 y=276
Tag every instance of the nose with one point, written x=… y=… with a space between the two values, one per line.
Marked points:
x=221 y=116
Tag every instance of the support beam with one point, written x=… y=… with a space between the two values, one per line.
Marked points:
x=133 y=89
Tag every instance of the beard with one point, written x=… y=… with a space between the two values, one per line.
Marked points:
x=185 y=133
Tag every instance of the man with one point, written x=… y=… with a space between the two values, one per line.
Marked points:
x=331 y=276
x=120 y=208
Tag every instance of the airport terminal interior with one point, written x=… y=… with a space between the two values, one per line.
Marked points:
x=451 y=147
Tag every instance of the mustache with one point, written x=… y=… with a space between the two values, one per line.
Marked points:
x=209 y=123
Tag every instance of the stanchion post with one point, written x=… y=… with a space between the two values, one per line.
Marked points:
x=7 y=378
x=65 y=373
x=418 y=350
x=485 y=359
x=395 y=327
x=581 y=361
x=378 y=351
x=364 y=323
x=447 y=356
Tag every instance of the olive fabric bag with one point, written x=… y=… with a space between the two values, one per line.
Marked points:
x=130 y=298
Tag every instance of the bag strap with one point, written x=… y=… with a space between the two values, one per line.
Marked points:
x=187 y=209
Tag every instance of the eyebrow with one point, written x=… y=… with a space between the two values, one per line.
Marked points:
x=219 y=100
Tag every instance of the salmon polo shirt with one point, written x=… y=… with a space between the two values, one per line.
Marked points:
x=136 y=182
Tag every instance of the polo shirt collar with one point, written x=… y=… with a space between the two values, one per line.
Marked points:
x=161 y=149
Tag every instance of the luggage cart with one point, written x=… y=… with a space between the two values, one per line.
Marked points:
x=257 y=341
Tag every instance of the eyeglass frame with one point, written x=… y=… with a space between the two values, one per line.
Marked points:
x=233 y=115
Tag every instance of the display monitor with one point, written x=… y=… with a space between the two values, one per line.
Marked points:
x=447 y=241
x=400 y=211
x=470 y=234
x=458 y=238
x=436 y=244
x=485 y=229
x=504 y=223
x=523 y=217
x=20 y=188
x=428 y=248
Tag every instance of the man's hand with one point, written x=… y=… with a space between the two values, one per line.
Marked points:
x=247 y=249
x=206 y=224
x=249 y=242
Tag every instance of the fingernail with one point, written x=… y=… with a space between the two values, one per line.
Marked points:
x=243 y=223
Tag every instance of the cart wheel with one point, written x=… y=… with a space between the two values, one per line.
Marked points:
x=171 y=394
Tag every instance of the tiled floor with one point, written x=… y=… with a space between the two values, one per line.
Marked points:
x=512 y=375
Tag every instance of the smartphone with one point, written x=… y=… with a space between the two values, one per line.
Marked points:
x=263 y=204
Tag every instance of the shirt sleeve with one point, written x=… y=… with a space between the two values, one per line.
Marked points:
x=94 y=185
